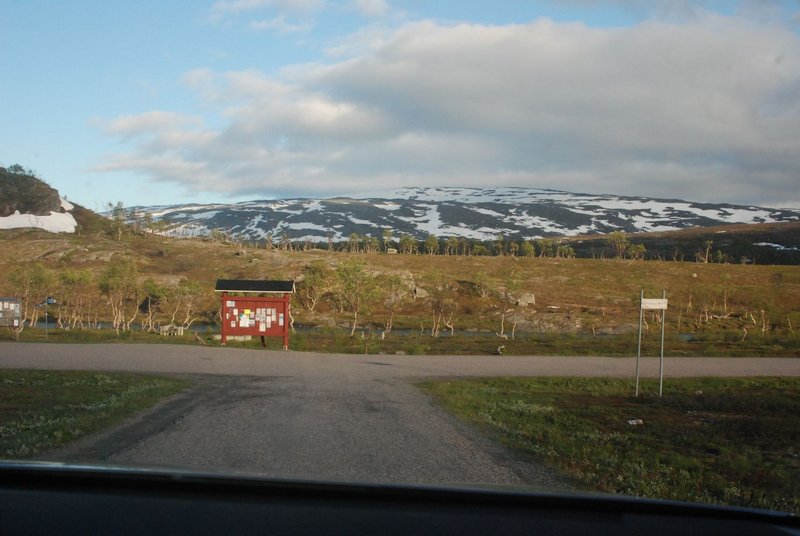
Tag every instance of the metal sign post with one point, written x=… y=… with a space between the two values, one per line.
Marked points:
x=639 y=351
x=47 y=301
x=652 y=304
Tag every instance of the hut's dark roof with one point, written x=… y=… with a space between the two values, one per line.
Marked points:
x=253 y=285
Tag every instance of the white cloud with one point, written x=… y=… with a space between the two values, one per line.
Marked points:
x=240 y=6
x=149 y=123
x=283 y=17
x=707 y=109
x=280 y=25
x=371 y=8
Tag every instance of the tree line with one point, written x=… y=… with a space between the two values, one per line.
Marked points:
x=126 y=301
x=369 y=297
x=351 y=290
x=405 y=244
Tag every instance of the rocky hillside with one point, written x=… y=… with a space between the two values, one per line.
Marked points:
x=26 y=201
x=26 y=194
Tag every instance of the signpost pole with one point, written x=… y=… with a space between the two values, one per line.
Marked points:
x=639 y=351
x=661 y=363
x=654 y=304
x=223 y=335
x=286 y=321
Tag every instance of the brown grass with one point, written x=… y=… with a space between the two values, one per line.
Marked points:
x=572 y=295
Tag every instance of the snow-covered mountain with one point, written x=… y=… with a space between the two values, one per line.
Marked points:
x=477 y=214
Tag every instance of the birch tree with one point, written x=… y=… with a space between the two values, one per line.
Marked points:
x=73 y=294
x=619 y=243
x=118 y=284
x=356 y=288
x=154 y=295
x=394 y=294
x=184 y=300
x=31 y=284
x=313 y=284
x=443 y=302
x=508 y=304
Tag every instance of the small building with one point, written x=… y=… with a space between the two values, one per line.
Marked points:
x=10 y=315
x=255 y=307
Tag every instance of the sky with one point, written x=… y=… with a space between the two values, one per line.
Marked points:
x=150 y=102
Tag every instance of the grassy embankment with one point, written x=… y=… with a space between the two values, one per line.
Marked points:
x=335 y=340
x=42 y=410
x=722 y=441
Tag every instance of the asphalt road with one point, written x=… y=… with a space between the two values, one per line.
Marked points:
x=327 y=416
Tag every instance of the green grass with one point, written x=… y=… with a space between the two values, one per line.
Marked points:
x=95 y=336
x=42 y=410
x=721 y=441
x=338 y=340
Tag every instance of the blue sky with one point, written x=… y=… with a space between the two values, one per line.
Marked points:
x=152 y=102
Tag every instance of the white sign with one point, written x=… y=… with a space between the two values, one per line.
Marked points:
x=659 y=304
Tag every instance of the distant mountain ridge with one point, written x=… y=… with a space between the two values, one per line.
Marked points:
x=472 y=213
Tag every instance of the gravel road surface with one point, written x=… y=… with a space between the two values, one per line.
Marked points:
x=328 y=416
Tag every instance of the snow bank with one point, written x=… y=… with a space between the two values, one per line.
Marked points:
x=56 y=222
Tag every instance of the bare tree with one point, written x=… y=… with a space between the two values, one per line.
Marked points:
x=482 y=284
x=443 y=301
x=387 y=239
x=508 y=303
x=704 y=255
x=394 y=294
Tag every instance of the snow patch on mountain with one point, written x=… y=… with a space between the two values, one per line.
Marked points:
x=55 y=222
x=779 y=247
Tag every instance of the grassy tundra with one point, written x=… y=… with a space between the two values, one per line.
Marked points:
x=523 y=304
